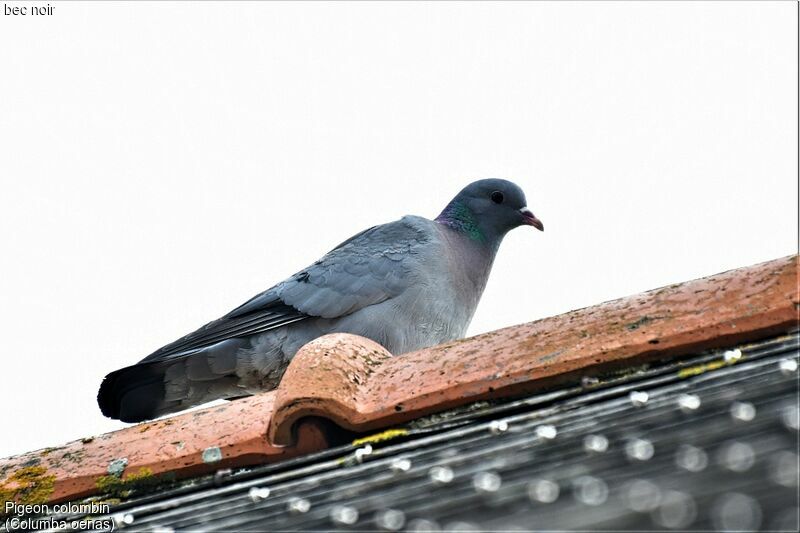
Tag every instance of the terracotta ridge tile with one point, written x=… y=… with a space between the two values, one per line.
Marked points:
x=355 y=383
x=149 y=453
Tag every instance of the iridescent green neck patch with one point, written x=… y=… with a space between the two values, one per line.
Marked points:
x=460 y=218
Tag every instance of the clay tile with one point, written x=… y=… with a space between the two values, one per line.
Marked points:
x=358 y=385
x=196 y=442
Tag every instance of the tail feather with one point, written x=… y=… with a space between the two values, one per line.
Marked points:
x=152 y=388
x=135 y=393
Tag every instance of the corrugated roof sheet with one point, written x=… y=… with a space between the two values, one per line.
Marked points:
x=706 y=443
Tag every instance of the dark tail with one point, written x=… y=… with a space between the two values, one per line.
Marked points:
x=135 y=393
x=150 y=389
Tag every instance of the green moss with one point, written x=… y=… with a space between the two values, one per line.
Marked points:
x=142 y=481
x=28 y=485
x=703 y=368
x=445 y=416
x=382 y=436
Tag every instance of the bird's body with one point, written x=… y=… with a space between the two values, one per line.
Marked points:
x=407 y=284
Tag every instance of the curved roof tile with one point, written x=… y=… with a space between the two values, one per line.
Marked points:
x=359 y=386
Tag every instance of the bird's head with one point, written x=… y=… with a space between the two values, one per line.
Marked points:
x=488 y=209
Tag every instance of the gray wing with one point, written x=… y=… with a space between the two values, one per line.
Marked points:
x=369 y=268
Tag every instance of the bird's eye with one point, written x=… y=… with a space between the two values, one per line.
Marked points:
x=497 y=197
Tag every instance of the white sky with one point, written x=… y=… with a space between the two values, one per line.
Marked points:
x=161 y=163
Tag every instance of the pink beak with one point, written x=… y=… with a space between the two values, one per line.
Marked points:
x=530 y=219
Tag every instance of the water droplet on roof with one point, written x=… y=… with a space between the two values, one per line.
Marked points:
x=486 y=482
x=788 y=366
x=546 y=431
x=736 y=456
x=641 y=495
x=543 y=490
x=639 y=398
x=731 y=356
x=691 y=458
x=688 y=402
x=676 y=511
x=790 y=415
x=498 y=426
x=344 y=515
x=590 y=490
x=390 y=519
x=785 y=468
x=258 y=493
x=441 y=474
x=743 y=411
x=400 y=465
x=363 y=452
x=736 y=512
x=298 y=505
x=639 y=449
x=122 y=519
x=595 y=443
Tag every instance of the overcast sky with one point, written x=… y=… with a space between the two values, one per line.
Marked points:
x=161 y=163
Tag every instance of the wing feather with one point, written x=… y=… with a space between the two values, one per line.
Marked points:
x=366 y=269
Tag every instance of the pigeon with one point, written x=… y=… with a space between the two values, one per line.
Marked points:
x=407 y=284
